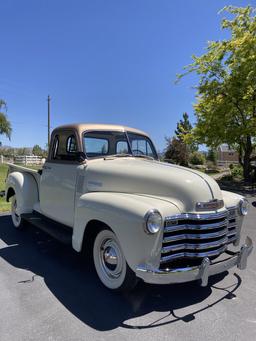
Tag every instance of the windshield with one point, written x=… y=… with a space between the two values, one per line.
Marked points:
x=105 y=143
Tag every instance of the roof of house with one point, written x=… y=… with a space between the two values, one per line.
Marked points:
x=226 y=148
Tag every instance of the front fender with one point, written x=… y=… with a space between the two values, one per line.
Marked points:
x=124 y=214
x=231 y=199
x=25 y=187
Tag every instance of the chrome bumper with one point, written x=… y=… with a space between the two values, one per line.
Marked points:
x=203 y=272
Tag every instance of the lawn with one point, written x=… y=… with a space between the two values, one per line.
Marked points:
x=5 y=206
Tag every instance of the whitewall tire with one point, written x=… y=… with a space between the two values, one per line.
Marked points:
x=16 y=217
x=110 y=263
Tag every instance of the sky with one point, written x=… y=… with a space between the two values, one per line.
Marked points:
x=102 y=61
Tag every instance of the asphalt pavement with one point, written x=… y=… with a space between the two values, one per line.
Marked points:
x=48 y=292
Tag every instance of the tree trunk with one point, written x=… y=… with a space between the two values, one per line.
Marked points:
x=247 y=159
x=246 y=168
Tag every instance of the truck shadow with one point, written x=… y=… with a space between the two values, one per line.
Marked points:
x=75 y=284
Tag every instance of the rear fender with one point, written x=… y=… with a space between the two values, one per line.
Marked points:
x=25 y=188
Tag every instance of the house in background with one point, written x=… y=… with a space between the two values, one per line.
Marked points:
x=226 y=155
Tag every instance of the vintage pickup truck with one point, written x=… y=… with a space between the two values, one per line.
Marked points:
x=104 y=190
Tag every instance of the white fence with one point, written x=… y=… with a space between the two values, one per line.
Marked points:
x=28 y=160
x=4 y=159
x=226 y=163
x=23 y=160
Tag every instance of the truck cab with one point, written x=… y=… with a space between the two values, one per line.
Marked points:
x=71 y=150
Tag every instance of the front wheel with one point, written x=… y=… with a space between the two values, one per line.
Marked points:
x=110 y=264
x=16 y=217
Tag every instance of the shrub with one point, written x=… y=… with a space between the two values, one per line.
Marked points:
x=227 y=177
x=210 y=165
x=212 y=156
x=197 y=158
x=237 y=172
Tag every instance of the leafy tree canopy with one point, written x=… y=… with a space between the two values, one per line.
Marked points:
x=37 y=150
x=226 y=93
x=5 y=125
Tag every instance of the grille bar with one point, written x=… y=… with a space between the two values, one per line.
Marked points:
x=200 y=227
x=196 y=247
x=196 y=236
x=232 y=233
x=194 y=254
x=231 y=225
x=195 y=216
x=231 y=239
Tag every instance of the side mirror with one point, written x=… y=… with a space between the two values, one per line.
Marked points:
x=80 y=156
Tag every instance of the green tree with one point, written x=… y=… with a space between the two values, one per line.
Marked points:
x=226 y=93
x=212 y=156
x=179 y=147
x=5 y=125
x=37 y=150
x=176 y=151
x=184 y=127
x=22 y=151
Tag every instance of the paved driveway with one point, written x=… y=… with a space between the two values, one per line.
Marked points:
x=47 y=292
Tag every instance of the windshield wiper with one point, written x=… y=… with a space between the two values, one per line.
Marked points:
x=117 y=155
x=128 y=155
x=145 y=157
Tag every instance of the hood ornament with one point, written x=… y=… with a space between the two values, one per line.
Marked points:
x=214 y=204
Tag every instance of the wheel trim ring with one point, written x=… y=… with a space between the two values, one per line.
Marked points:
x=15 y=216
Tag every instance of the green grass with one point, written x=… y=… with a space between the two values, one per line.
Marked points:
x=6 y=206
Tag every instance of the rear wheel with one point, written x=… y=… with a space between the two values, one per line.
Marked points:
x=16 y=217
x=110 y=264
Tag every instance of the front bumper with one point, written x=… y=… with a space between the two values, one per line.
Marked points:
x=202 y=272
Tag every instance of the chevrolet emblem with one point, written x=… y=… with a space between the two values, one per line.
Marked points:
x=211 y=205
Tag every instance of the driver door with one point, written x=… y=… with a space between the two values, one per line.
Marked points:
x=58 y=179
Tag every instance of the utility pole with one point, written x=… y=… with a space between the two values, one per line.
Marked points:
x=49 y=134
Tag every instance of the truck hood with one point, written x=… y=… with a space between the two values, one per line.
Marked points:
x=182 y=186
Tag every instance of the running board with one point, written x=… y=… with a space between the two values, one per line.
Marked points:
x=56 y=230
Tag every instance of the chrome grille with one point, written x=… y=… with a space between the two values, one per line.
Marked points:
x=195 y=236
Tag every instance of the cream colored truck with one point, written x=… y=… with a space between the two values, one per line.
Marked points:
x=103 y=190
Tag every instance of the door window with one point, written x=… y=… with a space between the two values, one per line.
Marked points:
x=55 y=147
x=64 y=147
x=71 y=144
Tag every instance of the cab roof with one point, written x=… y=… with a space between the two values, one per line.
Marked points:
x=82 y=127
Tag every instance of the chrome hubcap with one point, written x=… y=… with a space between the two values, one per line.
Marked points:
x=111 y=260
x=110 y=257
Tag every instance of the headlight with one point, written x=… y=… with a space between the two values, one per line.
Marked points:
x=243 y=206
x=153 y=221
